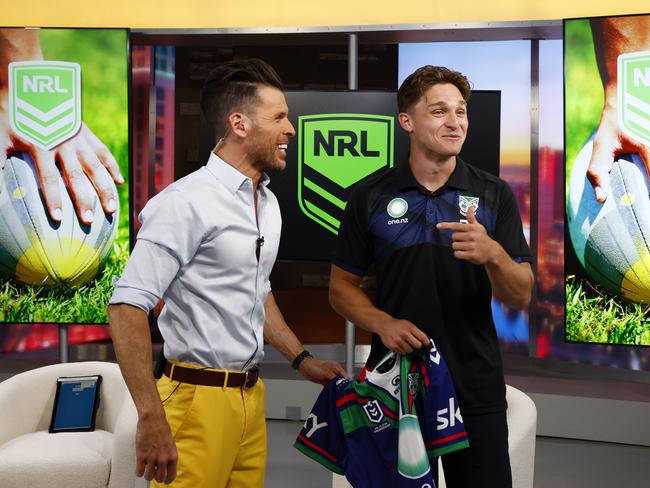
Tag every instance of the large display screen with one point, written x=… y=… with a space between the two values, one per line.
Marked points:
x=64 y=192
x=341 y=139
x=607 y=148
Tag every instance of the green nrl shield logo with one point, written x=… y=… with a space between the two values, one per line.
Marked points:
x=634 y=95
x=45 y=101
x=335 y=151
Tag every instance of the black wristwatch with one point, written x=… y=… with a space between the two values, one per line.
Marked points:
x=300 y=358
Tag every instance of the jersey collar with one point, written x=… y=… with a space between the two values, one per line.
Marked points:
x=459 y=178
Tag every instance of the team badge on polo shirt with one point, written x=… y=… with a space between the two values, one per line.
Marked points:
x=465 y=202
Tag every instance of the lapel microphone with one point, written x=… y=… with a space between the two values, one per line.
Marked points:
x=260 y=243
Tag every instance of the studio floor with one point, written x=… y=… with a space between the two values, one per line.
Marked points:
x=559 y=463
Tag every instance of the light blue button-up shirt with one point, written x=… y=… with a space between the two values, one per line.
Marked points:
x=196 y=250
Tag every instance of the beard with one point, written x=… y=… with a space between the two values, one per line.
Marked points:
x=263 y=154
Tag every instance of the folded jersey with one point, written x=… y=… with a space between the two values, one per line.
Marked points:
x=387 y=427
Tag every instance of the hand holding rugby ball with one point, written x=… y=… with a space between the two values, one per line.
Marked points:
x=36 y=250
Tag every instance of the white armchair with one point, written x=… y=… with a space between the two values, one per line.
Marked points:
x=31 y=457
x=522 y=429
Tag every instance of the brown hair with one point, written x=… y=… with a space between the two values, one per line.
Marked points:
x=232 y=86
x=418 y=82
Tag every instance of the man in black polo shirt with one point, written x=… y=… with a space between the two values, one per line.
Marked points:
x=444 y=237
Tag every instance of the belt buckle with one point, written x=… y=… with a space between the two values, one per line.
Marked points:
x=249 y=382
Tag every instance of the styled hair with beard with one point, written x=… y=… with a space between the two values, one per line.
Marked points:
x=232 y=87
x=418 y=82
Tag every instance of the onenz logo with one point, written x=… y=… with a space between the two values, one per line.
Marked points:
x=397 y=207
x=336 y=151
x=398 y=221
x=45 y=101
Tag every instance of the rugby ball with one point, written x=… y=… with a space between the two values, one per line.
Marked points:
x=36 y=250
x=612 y=239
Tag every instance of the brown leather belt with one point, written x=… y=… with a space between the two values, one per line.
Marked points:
x=236 y=379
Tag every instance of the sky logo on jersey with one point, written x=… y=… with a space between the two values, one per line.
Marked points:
x=634 y=95
x=448 y=417
x=373 y=411
x=464 y=202
x=336 y=151
x=311 y=425
x=45 y=101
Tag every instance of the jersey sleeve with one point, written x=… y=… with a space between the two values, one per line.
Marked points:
x=509 y=231
x=353 y=250
x=321 y=437
x=441 y=420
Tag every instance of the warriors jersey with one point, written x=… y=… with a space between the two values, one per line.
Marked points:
x=384 y=429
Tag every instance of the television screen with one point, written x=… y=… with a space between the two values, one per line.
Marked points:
x=64 y=149
x=341 y=139
x=607 y=148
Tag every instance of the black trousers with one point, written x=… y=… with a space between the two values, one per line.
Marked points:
x=486 y=463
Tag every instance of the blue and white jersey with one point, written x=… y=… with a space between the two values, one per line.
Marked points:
x=384 y=429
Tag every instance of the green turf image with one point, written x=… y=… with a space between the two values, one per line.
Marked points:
x=600 y=309
x=594 y=315
x=102 y=56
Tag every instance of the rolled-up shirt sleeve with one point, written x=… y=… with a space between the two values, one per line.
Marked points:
x=167 y=240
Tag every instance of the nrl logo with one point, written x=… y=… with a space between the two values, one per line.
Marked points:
x=634 y=95
x=373 y=411
x=336 y=151
x=465 y=202
x=45 y=101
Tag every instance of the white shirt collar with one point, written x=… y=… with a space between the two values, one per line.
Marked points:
x=229 y=176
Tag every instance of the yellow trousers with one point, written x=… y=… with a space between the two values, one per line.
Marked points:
x=220 y=434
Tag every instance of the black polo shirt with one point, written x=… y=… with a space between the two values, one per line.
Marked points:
x=390 y=221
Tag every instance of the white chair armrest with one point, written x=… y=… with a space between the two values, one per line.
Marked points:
x=123 y=458
x=522 y=430
x=26 y=402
